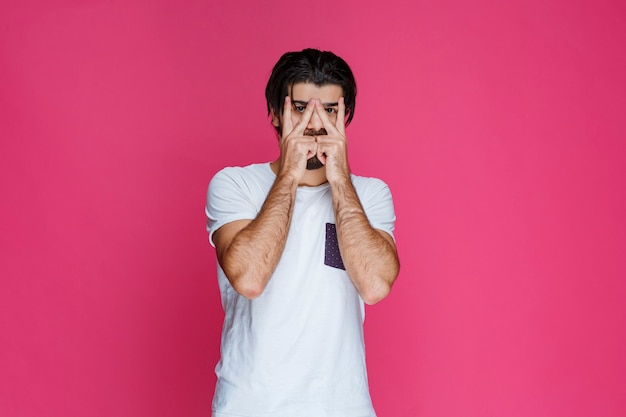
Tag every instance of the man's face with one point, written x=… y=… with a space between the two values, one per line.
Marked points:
x=300 y=94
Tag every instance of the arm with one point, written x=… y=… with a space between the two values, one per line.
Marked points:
x=249 y=250
x=369 y=254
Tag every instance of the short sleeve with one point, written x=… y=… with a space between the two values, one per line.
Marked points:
x=377 y=202
x=227 y=201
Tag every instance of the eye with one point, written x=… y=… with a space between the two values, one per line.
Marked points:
x=330 y=110
x=299 y=109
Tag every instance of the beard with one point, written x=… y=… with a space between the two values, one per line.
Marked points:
x=314 y=162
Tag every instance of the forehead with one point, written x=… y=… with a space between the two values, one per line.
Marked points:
x=328 y=93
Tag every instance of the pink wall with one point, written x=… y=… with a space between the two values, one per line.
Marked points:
x=498 y=125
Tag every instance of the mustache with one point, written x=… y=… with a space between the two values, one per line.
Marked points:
x=312 y=132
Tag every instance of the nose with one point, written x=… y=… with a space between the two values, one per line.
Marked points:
x=315 y=123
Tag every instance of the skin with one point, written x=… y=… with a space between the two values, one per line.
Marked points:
x=249 y=250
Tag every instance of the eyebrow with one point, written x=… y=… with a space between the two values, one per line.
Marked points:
x=304 y=103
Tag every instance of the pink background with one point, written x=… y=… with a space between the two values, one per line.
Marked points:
x=499 y=127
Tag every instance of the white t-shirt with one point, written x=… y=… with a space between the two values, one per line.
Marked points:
x=297 y=350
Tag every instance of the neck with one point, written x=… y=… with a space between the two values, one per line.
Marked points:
x=311 y=178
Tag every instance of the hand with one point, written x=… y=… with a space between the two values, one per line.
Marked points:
x=295 y=147
x=332 y=147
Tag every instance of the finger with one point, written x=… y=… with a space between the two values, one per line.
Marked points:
x=287 y=123
x=341 y=117
x=306 y=117
x=319 y=152
x=312 y=149
x=321 y=112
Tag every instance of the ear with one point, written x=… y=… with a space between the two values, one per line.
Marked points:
x=275 y=119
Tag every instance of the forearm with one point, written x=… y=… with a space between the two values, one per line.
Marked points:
x=369 y=255
x=250 y=259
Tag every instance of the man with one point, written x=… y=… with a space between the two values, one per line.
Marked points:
x=302 y=244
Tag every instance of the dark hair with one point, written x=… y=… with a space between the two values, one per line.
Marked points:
x=309 y=66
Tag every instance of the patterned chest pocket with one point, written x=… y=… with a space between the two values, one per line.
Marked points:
x=332 y=257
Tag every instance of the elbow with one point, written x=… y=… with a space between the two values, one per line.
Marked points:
x=247 y=274
x=247 y=287
x=247 y=283
x=249 y=293
x=381 y=287
x=376 y=295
